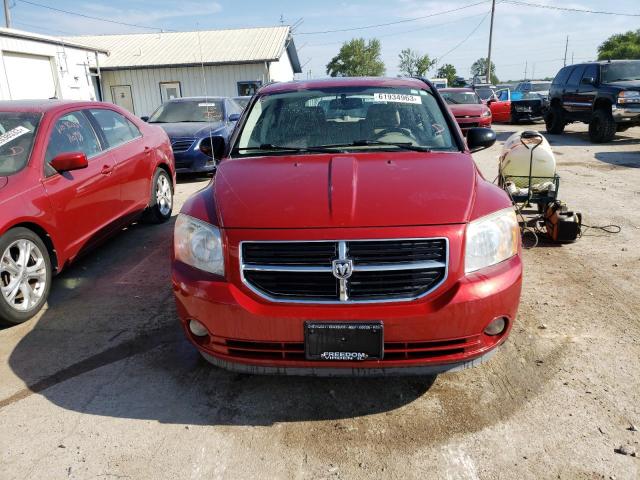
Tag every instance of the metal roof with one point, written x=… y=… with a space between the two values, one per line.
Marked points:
x=36 y=37
x=211 y=47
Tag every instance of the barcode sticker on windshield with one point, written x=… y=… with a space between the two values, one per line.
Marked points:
x=396 y=97
x=13 y=133
x=206 y=104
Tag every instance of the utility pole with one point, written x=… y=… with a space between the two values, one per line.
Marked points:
x=493 y=10
x=7 y=14
x=525 y=70
x=566 y=46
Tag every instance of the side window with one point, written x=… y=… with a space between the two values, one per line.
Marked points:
x=563 y=74
x=116 y=128
x=575 y=76
x=503 y=95
x=72 y=133
x=590 y=71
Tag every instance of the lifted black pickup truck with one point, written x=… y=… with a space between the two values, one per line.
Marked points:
x=605 y=95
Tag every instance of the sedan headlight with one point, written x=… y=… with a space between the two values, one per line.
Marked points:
x=486 y=113
x=491 y=239
x=198 y=244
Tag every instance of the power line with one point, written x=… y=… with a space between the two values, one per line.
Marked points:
x=404 y=32
x=391 y=23
x=569 y=9
x=465 y=38
x=55 y=9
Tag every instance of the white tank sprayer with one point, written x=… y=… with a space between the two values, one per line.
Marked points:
x=524 y=155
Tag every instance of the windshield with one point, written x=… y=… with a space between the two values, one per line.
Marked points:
x=455 y=98
x=484 y=93
x=619 y=72
x=203 y=110
x=17 y=134
x=352 y=118
x=242 y=101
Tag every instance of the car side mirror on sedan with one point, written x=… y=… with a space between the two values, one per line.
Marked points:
x=480 y=138
x=234 y=117
x=213 y=147
x=144 y=119
x=68 y=161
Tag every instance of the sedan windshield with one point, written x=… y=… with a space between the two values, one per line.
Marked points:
x=456 y=98
x=344 y=118
x=17 y=134
x=203 y=110
x=620 y=71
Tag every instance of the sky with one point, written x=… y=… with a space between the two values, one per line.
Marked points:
x=523 y=36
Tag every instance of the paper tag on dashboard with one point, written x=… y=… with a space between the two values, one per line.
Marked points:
x=12 y=134
x=397 y=98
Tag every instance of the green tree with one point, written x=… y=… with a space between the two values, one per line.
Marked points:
x=621 y=46
x=412 y=64
x=447 y=71
x=357 y=58
x=479 y=68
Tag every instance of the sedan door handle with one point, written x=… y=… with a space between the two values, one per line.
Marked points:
x=106 y=170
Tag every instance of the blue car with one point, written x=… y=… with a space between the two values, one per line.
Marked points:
x=188 y=121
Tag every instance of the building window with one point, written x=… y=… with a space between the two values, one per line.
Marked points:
x=169 y=91
x=248 y=88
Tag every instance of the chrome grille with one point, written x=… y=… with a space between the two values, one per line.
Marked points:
x=182 y=144
x=376 y=270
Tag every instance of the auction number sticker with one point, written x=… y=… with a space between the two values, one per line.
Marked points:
x=12 y=134
x=397 y=98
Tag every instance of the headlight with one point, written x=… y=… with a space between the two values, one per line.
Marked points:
x=198 y=244
x=491 y=239
x=486 y=113
x=629 y=96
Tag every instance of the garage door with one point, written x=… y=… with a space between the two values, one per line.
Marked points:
x=29 y=76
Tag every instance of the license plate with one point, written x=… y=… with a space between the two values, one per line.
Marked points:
x=351 y=341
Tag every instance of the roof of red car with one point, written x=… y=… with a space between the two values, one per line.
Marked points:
x=299 y=85
x=42 y=105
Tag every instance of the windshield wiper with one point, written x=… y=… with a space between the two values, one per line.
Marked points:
x=376 y=143
x=283 y=148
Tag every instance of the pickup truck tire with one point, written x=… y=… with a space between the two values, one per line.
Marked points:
x=25 y=275
x=602 y=127
x=554 y=120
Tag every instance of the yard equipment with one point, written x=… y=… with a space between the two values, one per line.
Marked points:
x=527 y=172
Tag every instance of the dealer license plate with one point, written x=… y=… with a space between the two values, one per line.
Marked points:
x=350 y=341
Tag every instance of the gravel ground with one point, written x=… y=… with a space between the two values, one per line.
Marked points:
x=103 y=385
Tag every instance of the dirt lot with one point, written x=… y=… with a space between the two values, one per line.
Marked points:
x=103 y=385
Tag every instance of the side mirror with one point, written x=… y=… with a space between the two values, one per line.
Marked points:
x=588 y=80
x=68 y=161
x=234 y=117
x=213 y=147
x=144 y=119
x=480 y=138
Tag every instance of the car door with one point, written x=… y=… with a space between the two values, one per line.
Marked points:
x=131 y=154
x=570 y=97
x=85 y=201
x=501 y=107
x=587 y=91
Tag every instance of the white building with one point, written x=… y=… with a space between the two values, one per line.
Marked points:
x=35 y=66
x=143 y=70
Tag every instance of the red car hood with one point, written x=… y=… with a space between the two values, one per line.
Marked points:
x=346 y=190
x=473 y=110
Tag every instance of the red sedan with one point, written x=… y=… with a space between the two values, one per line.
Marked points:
x=466 y=106
x=71 y=173
x=348 y=232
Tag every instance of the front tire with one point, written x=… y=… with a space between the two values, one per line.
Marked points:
x=161 y=204
x=25 y=275
x=554 y=120
x=602 y=127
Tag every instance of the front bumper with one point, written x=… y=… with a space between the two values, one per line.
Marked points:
x=626 y=114
x=471 y=122
x=439 y=332
x=194 y=162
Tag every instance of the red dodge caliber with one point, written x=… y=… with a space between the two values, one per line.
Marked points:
x=347 y=231
x=71 y=173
